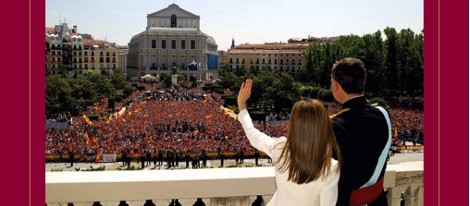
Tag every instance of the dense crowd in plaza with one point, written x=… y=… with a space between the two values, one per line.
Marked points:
x=182 y=121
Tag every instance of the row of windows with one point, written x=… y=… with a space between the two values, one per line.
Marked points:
x=86 y=53
x=163 y=65
x=264 y=54
x=79 y=66
x=102 y=60
x=173 y=44
x=281 y=68
x=263 y=61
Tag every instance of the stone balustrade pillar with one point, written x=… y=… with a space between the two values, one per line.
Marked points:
x=414 y=196
x=230 y=201
x=394 y=195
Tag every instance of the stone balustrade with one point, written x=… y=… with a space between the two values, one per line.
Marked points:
x=217 y=186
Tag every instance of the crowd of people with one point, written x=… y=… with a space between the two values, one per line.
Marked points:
x=183 y=121
x=153 y=120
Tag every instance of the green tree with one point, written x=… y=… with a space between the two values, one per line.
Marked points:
x=391 y=63
x=58 y=96
x=410 y=62
x=374 y=61
x=102 y=85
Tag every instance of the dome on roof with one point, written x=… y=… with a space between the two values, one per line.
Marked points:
x=211 y=40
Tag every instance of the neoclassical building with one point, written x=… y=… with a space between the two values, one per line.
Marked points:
x=172 y=40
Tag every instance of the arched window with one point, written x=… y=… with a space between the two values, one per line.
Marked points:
x=173 y=21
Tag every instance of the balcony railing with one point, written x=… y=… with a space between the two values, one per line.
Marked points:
x=217 y=186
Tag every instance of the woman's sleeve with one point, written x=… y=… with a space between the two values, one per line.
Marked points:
x=258 y=139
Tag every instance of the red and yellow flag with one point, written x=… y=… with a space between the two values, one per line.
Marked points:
x=85 y=136
x=395 y=134
x=87 y=120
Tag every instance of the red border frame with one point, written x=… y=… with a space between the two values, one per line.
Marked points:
x=446 y=103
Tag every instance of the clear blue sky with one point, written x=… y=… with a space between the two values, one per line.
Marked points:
x=247 y=21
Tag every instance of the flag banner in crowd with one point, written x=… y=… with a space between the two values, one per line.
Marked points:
x=87 y=120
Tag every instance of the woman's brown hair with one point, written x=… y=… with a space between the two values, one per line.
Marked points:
x=310 y=144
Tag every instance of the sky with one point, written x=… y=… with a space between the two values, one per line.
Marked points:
x=245 y=21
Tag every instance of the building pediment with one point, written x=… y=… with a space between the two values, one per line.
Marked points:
x=170 y=10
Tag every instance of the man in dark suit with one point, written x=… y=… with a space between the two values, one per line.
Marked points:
x=363 y=132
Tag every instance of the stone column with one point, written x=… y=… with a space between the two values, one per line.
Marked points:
x=394 y=195
x=414 y=196
x=230 y=201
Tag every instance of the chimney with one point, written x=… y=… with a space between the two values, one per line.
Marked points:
x=75 y=31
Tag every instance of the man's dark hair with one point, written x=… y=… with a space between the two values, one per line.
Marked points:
x=351 y=74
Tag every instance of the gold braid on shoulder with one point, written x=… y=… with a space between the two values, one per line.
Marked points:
x=347 y=109
x=338 y=113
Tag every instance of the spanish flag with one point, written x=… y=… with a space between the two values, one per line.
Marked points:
x=87 y=120
x=85 y=136
x=93 y=140
x=395 y=134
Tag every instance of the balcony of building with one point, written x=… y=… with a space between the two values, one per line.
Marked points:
x=404 y=183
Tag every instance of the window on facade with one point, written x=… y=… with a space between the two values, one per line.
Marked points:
x=107 y=59
x=193 y=44
x=173 y=21
x=183 y=44
x=154 y=43
x=173 y=44
x=101 y=60
x=163 y=44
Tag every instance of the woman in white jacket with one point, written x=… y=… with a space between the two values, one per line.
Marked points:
x=306 y=172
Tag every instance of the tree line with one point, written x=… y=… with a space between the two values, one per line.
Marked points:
x=67 y=92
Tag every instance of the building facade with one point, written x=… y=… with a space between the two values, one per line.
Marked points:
x=172 y=40
x=78 y=53
x=277 y=56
